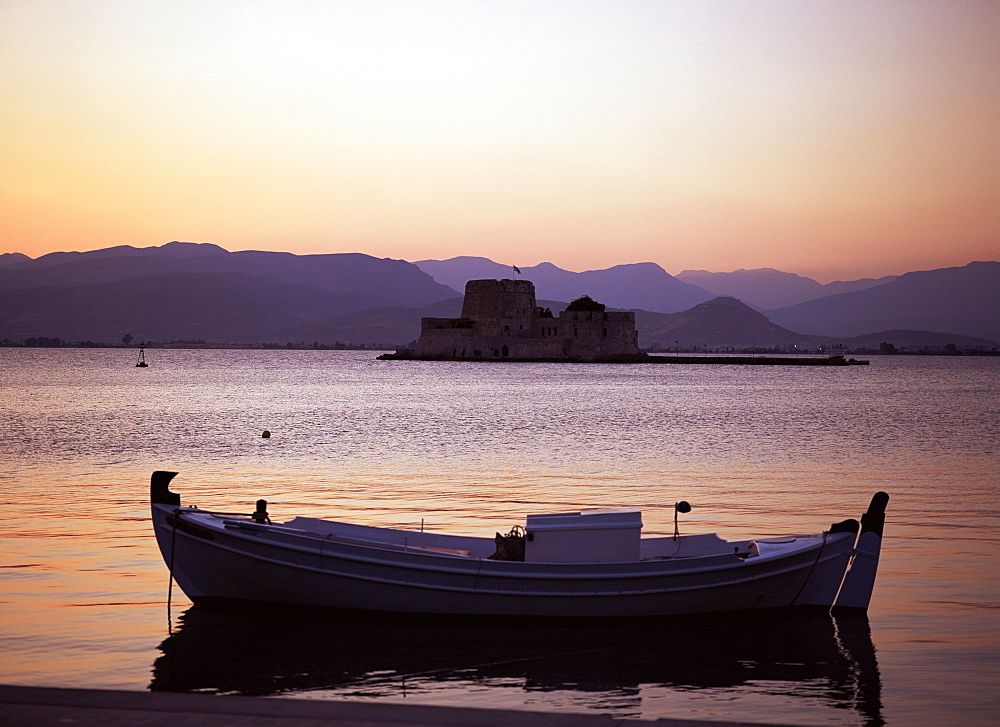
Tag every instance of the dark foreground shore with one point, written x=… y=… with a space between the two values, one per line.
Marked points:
x=41 y=706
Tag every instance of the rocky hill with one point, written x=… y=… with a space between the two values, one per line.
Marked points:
x=718 y=323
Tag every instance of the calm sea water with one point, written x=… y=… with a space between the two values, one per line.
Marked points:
x=473 y=448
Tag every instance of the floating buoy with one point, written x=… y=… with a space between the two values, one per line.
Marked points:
x=266 y=434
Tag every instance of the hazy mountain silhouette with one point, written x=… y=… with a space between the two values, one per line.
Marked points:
x=638 y=285
x=962 y=301
x=219 y=307
x=456 y=271
x=721 y=322
x=395 y=326
x=393 y=281
x=187 y=291
x=391 y=326
x=916 y=340
x=767 y=288
x=175 y=249
x=12 y=258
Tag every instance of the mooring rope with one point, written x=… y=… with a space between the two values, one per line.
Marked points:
x=843 y=578
x=170 y=569
x=811 y=569
x=173 y=519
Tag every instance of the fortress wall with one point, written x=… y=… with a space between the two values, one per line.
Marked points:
x=451 y=323
x=594 y=333
x=457 y=343
x=493 y=347
x=439 y=340
x=500 y=307
x=500 y=320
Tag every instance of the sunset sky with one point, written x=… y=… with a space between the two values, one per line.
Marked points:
x=836 y=139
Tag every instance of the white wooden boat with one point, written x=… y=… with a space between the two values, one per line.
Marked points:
x=586 y=564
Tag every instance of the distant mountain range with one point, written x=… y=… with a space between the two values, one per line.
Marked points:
x=962 y=300
x=644 y=286
x=767 y=288
x=722 y=322
x=190 y=291
x=388 y=281
x=197 y=291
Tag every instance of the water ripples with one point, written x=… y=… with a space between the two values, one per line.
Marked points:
x=473 y=448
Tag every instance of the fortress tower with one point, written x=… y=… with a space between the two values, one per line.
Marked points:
x=501 y=307
x=500 y=320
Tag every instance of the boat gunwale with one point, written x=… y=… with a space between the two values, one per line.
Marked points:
x=533 y=594
x=749 y=569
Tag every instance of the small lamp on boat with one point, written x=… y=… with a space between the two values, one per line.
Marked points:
x=679 y=507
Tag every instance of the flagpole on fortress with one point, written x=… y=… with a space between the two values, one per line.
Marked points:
x=515 y=271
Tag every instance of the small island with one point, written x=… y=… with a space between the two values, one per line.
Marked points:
x=501 y=321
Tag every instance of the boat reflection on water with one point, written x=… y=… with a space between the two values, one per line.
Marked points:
x=816 y=662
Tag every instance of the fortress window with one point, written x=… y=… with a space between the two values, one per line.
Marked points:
x=605 y=331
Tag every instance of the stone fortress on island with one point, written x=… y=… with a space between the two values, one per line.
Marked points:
x=501 y=321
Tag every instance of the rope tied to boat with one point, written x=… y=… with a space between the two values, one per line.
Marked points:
x=170 y=567
x=812 y=568
x=174 y=518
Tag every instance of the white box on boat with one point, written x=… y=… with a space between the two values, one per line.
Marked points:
x=589 y=536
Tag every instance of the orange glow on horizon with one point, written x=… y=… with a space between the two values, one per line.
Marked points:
x=835 y=139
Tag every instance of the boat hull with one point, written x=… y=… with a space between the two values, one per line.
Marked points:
x=216 y=559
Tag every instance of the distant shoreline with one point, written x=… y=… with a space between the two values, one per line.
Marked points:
x=753 y=356
x=693 y=358
x=196 y=345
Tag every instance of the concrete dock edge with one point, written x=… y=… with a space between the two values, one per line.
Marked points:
x=43 y=706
